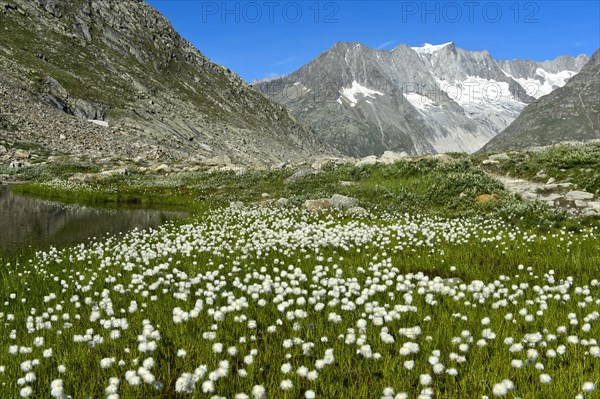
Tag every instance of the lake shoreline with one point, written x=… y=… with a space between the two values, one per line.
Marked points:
x=32 y=223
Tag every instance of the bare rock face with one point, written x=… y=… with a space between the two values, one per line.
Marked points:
x=122 y=63
x=57 y=96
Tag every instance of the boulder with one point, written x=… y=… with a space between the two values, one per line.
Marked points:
x=281 y=203
x=55 y=89
x=490 y=162
x=318 y=204
x=3 y=150
x=81 y=27
x=320 y=163
x=163 y=168
x=389 y=157
x=370 y=160
x=579 y=195
x=89 y=110
x=343 y=202
x=56 y=95
x=301 y=174
x=52 y=8
x=581 y=204
x=22 y=154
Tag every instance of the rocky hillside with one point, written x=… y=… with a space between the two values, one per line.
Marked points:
x=570 y=113
x=149 y=92
x=427 y=99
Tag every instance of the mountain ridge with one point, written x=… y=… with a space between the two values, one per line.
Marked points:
x=570 y=113
x=365 y=101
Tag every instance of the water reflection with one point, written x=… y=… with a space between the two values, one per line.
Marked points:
x=38 y=223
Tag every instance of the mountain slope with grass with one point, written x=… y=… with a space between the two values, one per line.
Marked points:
x=148 y=90
x=570 y=113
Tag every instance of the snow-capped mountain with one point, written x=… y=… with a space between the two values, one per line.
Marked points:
x=541 y=78
x=569 y=113
x=427 y=99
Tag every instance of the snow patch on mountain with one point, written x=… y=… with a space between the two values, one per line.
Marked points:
x=477 y=92
x=418 y=101
x=350 y=94
x=430 y=48
x=555 y=79
x=486 y=101
x=549 y=82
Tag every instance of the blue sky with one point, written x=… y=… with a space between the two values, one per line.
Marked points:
x=263 y=38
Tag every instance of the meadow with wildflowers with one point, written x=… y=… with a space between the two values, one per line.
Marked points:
x=262 y=302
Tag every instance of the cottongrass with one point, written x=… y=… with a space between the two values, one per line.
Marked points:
x=285 y=303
